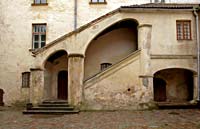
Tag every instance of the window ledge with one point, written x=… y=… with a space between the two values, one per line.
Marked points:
x=33 y=49
x=41 y=4
x=184 y=39
x=96 y=3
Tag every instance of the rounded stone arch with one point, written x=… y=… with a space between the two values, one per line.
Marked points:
x=54 y=63
x=184 y=68
x=106 y=27
x=46 y=57
x=178 y=87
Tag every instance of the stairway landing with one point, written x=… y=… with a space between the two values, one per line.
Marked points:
x=51 y=107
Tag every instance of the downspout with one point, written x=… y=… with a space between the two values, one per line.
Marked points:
x=75 y=14
x=198 y=52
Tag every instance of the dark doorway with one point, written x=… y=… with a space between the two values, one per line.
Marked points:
x=159 y=89
x=1 y=97
x=63 y=85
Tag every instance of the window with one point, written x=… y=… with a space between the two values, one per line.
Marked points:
x=40 y=1
x=39 y=35
x=26 y=80
x=183 y=29
x=159 y=1
x=105 y=65
x=98 y=1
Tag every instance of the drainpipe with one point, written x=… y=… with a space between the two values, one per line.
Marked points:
x=75 y=14
x=198 y=52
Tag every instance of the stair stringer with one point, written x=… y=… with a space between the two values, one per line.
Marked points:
x=117 y=88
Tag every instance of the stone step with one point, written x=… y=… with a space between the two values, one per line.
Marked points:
x=55 y=102
x=52 y=108
x=50 y=111
x=53 y=105
x=166 y=105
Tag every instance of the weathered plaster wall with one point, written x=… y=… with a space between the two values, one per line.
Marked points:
x=97 y=10
x=119 y=90
x=16 y=18
x=100 y=9
x=173 y=62
x=163 y=41
x=109 y=48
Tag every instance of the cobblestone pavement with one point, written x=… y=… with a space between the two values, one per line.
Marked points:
x=155 y=119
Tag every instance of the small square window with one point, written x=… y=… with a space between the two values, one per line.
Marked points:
x=39 y=2
x=26 y=80
x=183 y=30
x=105 y=66
x=98 y=1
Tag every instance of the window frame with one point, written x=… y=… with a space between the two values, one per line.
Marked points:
x=182 y=22
x=26 y=79
x=98 y=2
x=39 y=33
x=37 y=4
x=159 y=1
x=104 y=66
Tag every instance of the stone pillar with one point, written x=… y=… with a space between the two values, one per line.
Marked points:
x=195 y=87
x=75 y=76
x=147 y=82
x=144 y=44
x=36 y=86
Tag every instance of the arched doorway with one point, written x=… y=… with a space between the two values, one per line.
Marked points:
x=62 y=85
x=159 y=86
x=55 y=76
x=173 y=85
x=111 y=46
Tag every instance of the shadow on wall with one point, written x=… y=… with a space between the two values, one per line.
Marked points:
x=1 y=97
x=110 y=46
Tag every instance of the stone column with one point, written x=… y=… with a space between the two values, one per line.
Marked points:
x=147 y=82
x=75 y=76
x=144 y=44
x=36 y=86
x=195 y=87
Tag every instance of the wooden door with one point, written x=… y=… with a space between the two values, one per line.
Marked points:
x=159 y=89
x=63 y=85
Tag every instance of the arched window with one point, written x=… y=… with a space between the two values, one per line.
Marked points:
x=105 y=66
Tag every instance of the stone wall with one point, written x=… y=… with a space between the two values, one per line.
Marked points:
x=17 y=17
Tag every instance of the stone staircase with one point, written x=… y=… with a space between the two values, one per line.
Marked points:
x=177 y=105
x=51 y=107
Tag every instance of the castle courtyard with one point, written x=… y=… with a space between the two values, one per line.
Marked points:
x=150 y=119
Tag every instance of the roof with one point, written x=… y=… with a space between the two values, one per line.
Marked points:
x=164 y=6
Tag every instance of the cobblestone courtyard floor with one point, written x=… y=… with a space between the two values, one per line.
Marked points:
x=155 y=119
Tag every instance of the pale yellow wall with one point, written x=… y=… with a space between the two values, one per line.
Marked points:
x=163 y=39
x=88 y=12
x=16 y=18
x=103 y=90
x=159 y=64
x=110 y=91
x=109 y=48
